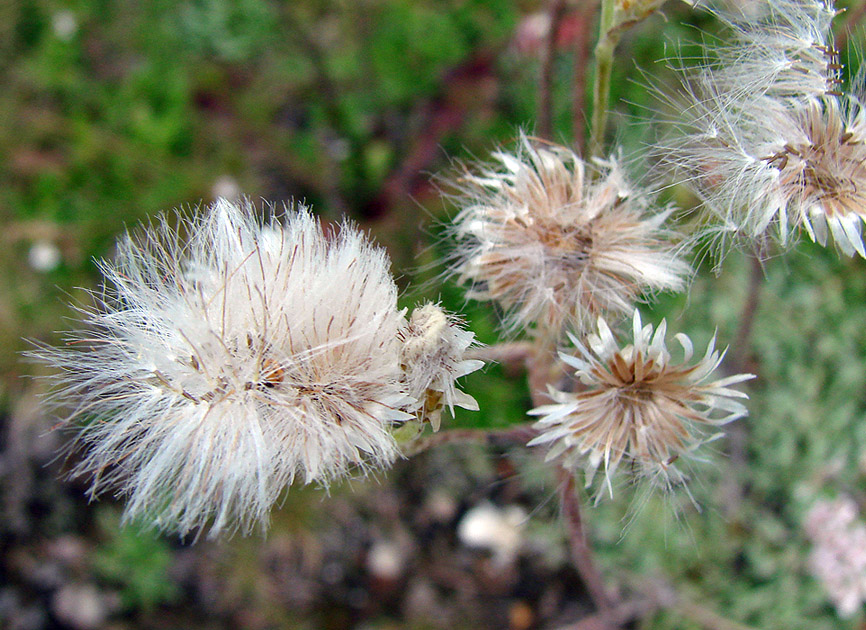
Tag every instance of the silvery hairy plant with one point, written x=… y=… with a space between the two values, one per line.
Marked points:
x=229 y=357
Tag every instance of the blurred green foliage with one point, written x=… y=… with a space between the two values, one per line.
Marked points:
x=135 y=561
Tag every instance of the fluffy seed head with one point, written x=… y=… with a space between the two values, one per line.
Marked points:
x=637 y=405
x=821 y=172
x=434 y=345
x=767 y=140
x=219 y=369
x=554 y=247
x=779 y=48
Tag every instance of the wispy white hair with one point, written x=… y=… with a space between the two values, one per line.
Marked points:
x=766 y=138
x=218 y=369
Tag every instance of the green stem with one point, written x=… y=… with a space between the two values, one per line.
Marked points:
x=608 y=37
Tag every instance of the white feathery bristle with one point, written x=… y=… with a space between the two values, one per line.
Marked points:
x=766 y=139
x=556 y=248
x=433 y=356
x=638 y=406
x=219 y=369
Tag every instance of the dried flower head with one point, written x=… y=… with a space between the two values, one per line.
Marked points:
x=218 y=370
x=637 y=405
x=434 y=345
x=780 y=48
x=769 y=142
x=555 y=247
x=822 y=172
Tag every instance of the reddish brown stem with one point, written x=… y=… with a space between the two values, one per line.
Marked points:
x=463 y=88
x=513 y=352
x=581 y=553
x=737 y=434
x=739 y=360
x=545 y=368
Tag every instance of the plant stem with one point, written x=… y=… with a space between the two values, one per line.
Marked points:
x=512 y=352
x=740 y=359
x=607 y=41
x=545 y=368
x=510 y=436
x=581 y=553
x=737 y=434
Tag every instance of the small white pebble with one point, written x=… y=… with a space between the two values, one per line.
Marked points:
x=44 y=256
x=80 y=606
x=64 y=25
x=226 y=187
x=495 y=529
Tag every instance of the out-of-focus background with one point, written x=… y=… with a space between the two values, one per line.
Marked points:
x=111 y=112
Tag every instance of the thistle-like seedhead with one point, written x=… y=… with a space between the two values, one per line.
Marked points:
x=217 y=370
x=636 y=404
x=557 y=243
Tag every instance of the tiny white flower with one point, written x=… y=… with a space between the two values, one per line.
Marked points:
x=499 y=530
x=838 y=557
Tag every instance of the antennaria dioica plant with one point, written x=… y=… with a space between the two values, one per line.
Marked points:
x=228 y=357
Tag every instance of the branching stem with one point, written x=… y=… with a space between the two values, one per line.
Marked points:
x=510 y=436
